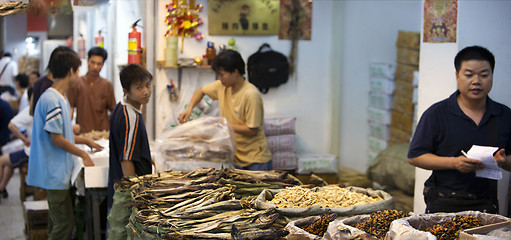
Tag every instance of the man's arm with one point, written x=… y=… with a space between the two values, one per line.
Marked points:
x=244 y=130
x=15 y=130
x=128 y=168
x=196 y=98
x=431 y=161
x=61 y=142
x=88 y=142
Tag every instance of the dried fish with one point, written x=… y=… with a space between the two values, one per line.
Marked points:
x=255 y=234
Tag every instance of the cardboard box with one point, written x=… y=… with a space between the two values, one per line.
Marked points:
x=403 y=104
x=403 y=88
x=379 y=115
x=380 y=131
x=469 y=233
x=409 y=39
x=401 y=121
x=380 y=100
x=405 y=72
x=97 y=176
x=399 y=136
x=382 y=70
x=408 y=56
x=381 y=85
x=376 y=145
x=316 y=163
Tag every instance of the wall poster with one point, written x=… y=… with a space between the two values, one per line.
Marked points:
x=295 y=14
x=440 y=21
x=243 y=17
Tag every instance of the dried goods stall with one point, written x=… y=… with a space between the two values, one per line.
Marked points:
x=201 y=204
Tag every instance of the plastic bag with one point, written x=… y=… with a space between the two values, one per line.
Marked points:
x=297 y=233
x=204 y=142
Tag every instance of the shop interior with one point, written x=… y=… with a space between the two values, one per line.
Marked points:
x=338 y=98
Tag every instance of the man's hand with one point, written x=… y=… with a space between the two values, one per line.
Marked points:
x=183 y=117
x=26 y=141
x=466 y=165
x=87 y=161
x=94 y=145
x=500 y=157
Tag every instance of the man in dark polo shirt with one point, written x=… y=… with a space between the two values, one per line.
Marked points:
x=468 y=117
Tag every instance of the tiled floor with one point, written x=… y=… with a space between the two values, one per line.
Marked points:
x=12 y=224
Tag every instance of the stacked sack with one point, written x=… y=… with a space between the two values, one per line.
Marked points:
x=280 y=135
x=380 y=103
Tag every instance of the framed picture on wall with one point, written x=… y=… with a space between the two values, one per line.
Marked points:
x=243 y=17
x=440 y=21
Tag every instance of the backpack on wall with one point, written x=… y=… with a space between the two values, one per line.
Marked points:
x=267 y=69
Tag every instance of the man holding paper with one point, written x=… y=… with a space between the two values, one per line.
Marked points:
x=467 y=118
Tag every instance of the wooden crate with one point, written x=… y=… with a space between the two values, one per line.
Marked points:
x=36 y=219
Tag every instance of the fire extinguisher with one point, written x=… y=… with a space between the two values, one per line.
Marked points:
x=100 y=40
x=134 y=45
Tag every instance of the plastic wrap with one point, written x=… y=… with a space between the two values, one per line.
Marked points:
x=204 y=142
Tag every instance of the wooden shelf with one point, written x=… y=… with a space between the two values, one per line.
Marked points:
x=161 y=64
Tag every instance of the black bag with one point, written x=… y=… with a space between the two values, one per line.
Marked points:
x=267 y=69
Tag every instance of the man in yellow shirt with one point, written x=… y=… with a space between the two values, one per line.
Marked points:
x=241 y=104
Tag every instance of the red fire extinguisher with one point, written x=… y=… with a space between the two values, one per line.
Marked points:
x=134 y=45
x=100 y=40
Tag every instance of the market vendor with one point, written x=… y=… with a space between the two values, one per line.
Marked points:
x=92 y=96
x=241 y=104
x=452 y=126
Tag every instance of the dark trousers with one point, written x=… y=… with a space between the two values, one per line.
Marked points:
x=61 y=220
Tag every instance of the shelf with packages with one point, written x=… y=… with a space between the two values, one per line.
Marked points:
x=161 y=65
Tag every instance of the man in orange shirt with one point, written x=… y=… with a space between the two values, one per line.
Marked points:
x=92 y=96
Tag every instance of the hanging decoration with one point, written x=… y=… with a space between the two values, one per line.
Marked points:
x=183 y=20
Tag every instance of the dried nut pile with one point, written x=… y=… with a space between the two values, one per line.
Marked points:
x=96 y=135
x=378 y=223
x=320 y=226
x=450 y=229
x=331 y=196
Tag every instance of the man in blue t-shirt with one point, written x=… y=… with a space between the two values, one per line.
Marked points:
x=52 y=146
x=468 y=117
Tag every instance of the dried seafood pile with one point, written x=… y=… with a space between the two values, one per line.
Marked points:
x=378 y=223
x=320 y=226
x=204 y=204
x=330 y=196
x=12 y=7
x=96 y=135
x=450 y=229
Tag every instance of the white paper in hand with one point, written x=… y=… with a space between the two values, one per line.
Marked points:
x=491 y=170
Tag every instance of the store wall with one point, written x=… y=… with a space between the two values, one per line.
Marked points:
x=437 y=76
x=15 y=34
x=305 y=96
x=369 y=35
